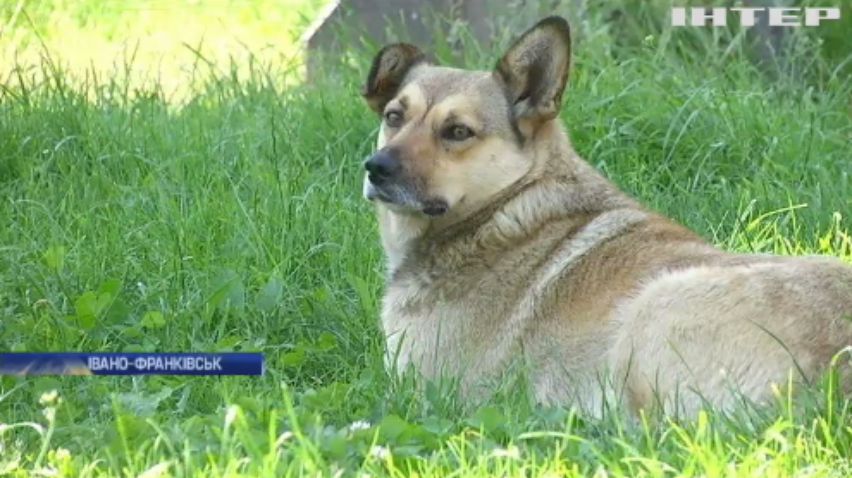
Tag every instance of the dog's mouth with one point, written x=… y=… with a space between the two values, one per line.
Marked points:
x=373 y=193
x=434 y=207
x=403 y=200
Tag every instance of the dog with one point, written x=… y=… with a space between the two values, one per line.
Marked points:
x=503 y=246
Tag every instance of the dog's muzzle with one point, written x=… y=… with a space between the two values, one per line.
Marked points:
x=385 y=182
x=384 y=173
x=382 y=167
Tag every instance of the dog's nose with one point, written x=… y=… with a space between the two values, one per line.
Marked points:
x=381 y=166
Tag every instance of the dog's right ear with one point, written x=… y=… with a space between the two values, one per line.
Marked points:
x=535 y=70
x=387 y=73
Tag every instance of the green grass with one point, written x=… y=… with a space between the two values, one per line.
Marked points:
x=234 y=221
x=162 y=39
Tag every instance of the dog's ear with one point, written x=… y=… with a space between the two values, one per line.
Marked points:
x=390 y=65
x=535 y=70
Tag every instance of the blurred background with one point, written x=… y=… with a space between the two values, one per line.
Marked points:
x=165 y=41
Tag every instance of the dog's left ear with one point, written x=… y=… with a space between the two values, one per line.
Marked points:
x=390 y=65
x=535 y=70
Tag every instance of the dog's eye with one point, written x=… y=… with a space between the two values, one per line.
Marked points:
x=458 y=133
x=393 y=119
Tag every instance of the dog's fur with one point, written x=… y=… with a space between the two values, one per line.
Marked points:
x=503 y=245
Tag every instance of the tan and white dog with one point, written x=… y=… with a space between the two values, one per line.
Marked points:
x=502 y=245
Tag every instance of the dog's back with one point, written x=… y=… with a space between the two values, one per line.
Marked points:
x=503 y=246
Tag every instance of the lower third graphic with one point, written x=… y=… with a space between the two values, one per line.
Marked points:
x=131 y=363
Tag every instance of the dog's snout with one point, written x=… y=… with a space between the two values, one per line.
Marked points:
x=382 y=166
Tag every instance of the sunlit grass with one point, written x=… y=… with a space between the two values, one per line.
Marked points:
x=167 y=43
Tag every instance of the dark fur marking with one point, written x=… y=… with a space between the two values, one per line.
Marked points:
x=384 y=81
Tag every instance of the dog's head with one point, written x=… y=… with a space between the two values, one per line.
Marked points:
x=450 y=136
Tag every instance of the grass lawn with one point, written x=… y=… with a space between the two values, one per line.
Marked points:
x=233 y=220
